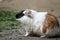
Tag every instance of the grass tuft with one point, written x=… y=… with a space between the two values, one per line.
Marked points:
x=8 y=20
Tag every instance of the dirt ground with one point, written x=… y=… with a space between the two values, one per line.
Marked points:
x=18 y=35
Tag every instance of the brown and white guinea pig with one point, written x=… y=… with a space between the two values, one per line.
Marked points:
x=42 y=24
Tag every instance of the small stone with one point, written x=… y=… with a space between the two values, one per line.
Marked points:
x=20 y=38
x=10 y=38
x=59 y=16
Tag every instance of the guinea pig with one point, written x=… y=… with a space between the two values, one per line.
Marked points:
x=43 y=24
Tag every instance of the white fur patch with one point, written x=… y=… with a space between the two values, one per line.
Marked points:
x=26 y=11
x=38 y=22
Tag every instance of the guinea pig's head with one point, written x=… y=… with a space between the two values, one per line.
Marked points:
x=24 y=16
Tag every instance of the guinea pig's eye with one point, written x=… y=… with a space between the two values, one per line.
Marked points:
x=29 y=16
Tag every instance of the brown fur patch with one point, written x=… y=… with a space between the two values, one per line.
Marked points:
x=50 y=22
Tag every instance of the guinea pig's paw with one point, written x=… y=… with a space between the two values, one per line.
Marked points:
x=26 y=34
x=43 y=36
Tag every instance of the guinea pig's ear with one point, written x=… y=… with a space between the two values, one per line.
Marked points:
x=29 y=14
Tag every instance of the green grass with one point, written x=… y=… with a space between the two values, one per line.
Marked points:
x=8 y=20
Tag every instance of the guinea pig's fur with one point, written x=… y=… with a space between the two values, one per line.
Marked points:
x=42 y=24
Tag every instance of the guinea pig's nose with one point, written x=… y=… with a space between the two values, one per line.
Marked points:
x=19 y=15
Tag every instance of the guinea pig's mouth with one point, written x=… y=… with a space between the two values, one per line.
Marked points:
x=18 y=19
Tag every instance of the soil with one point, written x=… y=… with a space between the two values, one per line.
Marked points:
x=17 y=34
